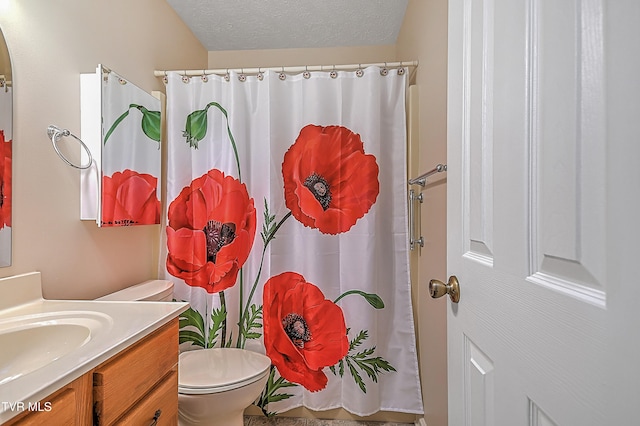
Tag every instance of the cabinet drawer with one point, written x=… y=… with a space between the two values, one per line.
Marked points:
x=70 y=405
x=163 y=397
x=123 y=381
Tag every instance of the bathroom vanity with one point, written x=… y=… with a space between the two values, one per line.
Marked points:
x=124 y=372
x=136 y=386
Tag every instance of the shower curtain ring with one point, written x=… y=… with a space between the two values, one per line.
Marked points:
x=242 y=77
x=306 y=74
x=359 y=71
x=204 y=76
x=282 y=75
x=227 y=76
x=384 y=71
x=260 y=76
x=185 y=77
x=165 y=79
x=333 y=73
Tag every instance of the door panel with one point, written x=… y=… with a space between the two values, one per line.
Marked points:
x=538 y=417
x=567 y=218
x=526 y=212
x=478 y=131
x=478 y=376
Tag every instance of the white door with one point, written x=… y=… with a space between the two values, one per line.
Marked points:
x=543 y=212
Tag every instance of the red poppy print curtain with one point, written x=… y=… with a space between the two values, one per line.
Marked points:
x=6 y=137
x=286 y=230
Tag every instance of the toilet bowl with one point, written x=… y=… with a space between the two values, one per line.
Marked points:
x=214 y=385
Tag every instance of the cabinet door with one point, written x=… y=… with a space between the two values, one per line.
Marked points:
x=70 y=406
x=124 y=381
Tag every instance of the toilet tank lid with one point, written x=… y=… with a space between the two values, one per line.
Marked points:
x=148 y=290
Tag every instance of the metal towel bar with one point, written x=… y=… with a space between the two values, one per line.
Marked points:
x=422 y=179
x=415 y=200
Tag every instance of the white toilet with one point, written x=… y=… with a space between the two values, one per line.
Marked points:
x=214 y=385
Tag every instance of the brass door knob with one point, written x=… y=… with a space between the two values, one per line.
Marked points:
x=439 y=289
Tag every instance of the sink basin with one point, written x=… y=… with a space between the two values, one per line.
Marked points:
x=32 y=342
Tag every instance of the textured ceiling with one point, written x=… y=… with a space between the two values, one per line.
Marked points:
x=281 y=24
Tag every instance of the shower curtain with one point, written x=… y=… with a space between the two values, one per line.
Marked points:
x=286 y=230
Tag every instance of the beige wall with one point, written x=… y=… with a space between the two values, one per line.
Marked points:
x=294 y=57
x=424 y=37
x=51 y=43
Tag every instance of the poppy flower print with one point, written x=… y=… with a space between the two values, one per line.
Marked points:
x=303 y=331
x=329 y=182
x=5 y=181
x=130 y=198
x=212 y=225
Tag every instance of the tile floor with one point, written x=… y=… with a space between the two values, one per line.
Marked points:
x=290 y=421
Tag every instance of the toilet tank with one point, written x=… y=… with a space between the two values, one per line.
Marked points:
x=153 y=290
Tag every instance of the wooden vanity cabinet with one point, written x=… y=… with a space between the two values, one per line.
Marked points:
x=135 y=387
x=140 y=384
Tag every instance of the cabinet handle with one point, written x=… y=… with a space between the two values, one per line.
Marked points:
x=156 y=416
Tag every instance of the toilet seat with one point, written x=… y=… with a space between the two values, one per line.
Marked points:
x=219 y=369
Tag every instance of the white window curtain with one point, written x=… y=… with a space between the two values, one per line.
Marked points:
x=286 y=230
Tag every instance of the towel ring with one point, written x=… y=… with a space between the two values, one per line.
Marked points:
x=55 y=133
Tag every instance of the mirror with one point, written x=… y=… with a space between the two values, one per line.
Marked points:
x=6 y=138
x=120 y=123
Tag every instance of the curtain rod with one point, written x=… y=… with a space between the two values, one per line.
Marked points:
x=352 y=67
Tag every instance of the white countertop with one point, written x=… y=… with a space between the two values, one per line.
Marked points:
x=119 y=325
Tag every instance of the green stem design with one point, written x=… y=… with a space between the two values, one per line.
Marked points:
x=373 y=299
x=223 y=305
x=264 y=249
x=272 y=234
x=269 y=394
x=233 y=141
x=245 y=311
x=363 y=362
x=240 y=327
x=151 y=125
x=115 y=124
x=346 y=293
